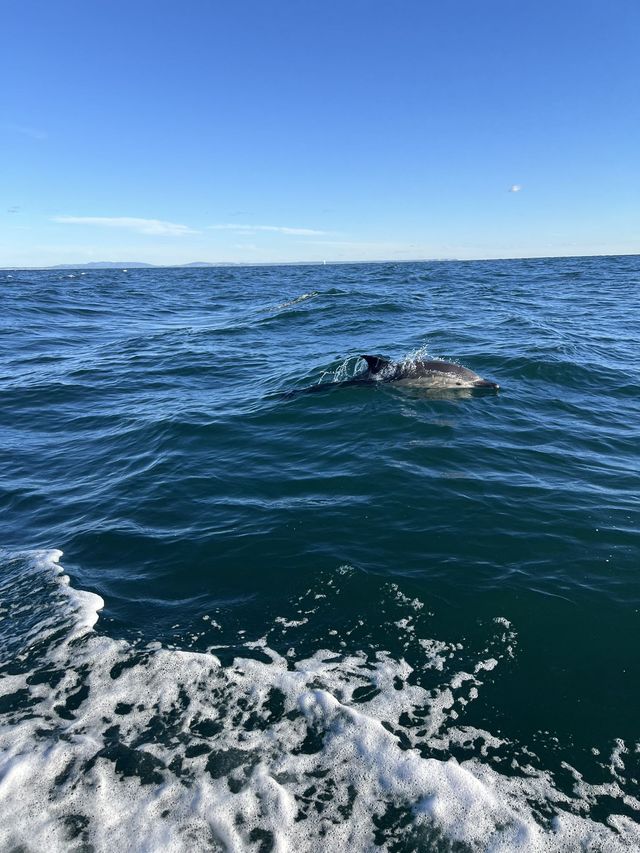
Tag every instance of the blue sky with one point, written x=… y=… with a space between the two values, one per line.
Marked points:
x=287 y=130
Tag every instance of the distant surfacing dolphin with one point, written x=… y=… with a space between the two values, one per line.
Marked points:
x=425 y=374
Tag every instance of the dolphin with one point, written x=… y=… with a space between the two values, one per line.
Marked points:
x=439 y=376
x=425 y=374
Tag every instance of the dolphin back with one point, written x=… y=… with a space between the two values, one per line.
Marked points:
x=421 y=368
x=375 y=363
x=436 y=373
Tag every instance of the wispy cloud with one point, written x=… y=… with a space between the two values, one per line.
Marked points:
x=280 y=229
x=152 y=227
x=24 y=130
x=515 y=188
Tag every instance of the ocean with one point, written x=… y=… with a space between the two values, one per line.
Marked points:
x=237 y=617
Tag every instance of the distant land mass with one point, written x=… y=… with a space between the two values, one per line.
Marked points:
x=108 y=265
x=126 y=265
x=98 y=265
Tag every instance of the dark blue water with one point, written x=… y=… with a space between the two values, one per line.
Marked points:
x=373 y=615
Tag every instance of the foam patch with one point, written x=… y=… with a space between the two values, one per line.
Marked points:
x=109 y=744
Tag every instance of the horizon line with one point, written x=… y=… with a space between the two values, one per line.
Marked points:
x=205 y=264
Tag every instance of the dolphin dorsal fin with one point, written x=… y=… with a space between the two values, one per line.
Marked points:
x=375 y=364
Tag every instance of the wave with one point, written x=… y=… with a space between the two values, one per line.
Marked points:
x=107 y=742
x=288 y=303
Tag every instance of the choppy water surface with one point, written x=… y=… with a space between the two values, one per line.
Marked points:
x=371 y=616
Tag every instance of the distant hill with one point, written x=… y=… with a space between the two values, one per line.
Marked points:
x=126 y=265
x=122 y=265
x=206 y=264
x=100 y=265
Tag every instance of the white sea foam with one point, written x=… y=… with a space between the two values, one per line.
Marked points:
x=295 y=301
x=110 y=745
x=86 y=605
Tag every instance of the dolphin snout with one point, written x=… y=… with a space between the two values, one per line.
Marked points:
x=485 y=383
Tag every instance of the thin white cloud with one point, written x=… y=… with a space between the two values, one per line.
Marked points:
x=280 y=229
x=23 y=130
x=152 y=227
x=515 y=188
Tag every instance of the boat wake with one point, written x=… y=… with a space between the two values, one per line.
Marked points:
x=108 y=743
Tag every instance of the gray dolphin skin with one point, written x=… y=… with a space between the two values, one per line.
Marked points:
x=432 y=376
x=426 y=374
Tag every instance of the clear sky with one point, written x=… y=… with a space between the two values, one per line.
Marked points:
x=284 y=130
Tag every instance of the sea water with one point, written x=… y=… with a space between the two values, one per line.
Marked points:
x=238 y=618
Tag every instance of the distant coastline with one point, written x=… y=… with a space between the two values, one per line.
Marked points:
x=125 y=265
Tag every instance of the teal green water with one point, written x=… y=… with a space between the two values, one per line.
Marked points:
x=426 y=602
